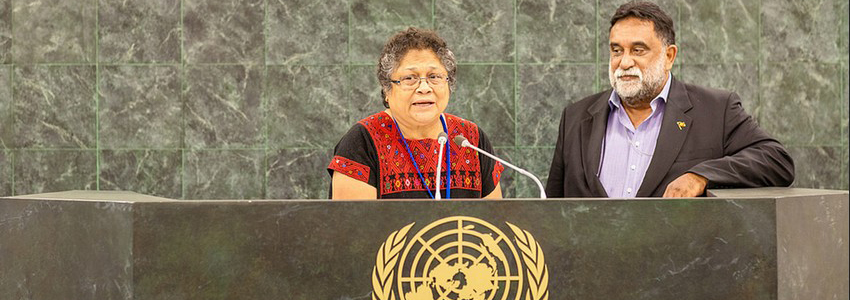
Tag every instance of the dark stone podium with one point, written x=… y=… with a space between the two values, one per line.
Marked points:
x=741 y=244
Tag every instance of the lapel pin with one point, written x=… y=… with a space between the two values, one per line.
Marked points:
x=681 y=124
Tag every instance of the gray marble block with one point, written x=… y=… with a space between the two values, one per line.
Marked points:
x=6 y=162
x=479 y=31
x=544 y=91
x=54 y=107
x=7 y=124
x=39 y=171
x=140 y=107
x=556 y=31
x=484 y=95
x=802 y=103
x=223 y=174
x=152 y=172
x=298 y=173
x=808 y=30
x=5 y=31
x=139 y=31
x=373 y=22
x=733 y=33
x=224 y=107
x=223 y=31
x=308 y=106
x=53 y=31
x=309 y=32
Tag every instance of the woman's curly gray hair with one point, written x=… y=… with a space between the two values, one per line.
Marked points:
x=412 y=39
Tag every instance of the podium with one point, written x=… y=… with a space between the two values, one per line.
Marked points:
x=771 y=243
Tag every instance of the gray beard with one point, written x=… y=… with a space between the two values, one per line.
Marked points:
x=644 y=96
x=652 y=81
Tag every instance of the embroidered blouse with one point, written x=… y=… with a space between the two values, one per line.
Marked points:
x=372 y=152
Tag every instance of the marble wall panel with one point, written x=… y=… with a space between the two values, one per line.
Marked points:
x=218 y=31
x=809 y=162
x=44 y=171
x=477 y=31
x=308 y=106
x=5 y=31
x=741 y=78
x=223 y=174
x=298 y=174
x=54 y=106
x=373 y=22
x=844 y=32
x=534 y=160
x=556 y=31
x=544 y=91
x=485 y=95
x=365 y=92
x=140 y=107
x=801 y=103
x=6 y=162
x=53 y=31
x=718 y=31
x=304 y=31
x=141 y=82
x=844 y=179
x=224 y=107
x=6 y=116
x=846 y=103
x=148 y=172
x=139 y=31
x=803 y=30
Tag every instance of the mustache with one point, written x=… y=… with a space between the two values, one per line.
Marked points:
x=628 y=72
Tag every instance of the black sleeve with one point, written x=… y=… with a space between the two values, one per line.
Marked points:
x=489 y=178
x=355 y=156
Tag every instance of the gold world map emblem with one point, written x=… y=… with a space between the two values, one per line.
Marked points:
x=460 y=258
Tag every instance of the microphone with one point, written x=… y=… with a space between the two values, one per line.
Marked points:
x=463 y=142
x=441 y=139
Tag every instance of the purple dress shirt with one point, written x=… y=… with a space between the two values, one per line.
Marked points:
x=627 y=151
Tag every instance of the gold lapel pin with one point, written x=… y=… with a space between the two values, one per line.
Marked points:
x=681 y=124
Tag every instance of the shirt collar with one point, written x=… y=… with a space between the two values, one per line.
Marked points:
x=614 y=99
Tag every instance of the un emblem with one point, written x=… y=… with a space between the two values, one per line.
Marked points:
x=460 y=258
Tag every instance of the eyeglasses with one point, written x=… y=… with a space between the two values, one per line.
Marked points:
x=411 y=82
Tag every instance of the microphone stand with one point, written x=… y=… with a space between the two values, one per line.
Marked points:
x=442 y=139
x=463 y=142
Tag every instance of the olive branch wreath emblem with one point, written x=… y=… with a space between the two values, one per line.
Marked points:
x=537 y=273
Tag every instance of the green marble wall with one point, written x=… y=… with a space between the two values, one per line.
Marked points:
x=213 y=99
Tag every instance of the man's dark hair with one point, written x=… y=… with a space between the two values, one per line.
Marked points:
x=648 y=11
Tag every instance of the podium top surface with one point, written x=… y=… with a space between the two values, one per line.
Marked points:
x=130 y=197
x=772 y=192
x=77 y=195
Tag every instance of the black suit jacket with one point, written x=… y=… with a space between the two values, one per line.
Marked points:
x=719 y=141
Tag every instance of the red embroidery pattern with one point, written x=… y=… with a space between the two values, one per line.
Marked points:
x=349 y=167
x=497 y=172
x=397 y=173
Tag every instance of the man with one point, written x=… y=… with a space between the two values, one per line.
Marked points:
x=653 y=135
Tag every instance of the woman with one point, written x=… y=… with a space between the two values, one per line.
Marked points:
x=394 y=153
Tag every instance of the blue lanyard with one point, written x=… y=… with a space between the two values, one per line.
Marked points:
x=436 y=176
